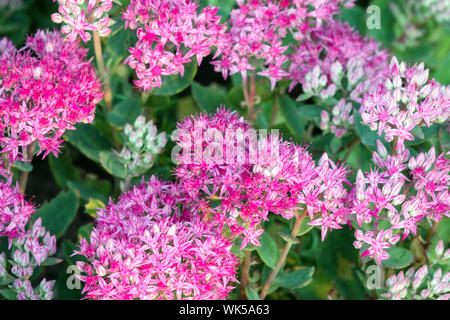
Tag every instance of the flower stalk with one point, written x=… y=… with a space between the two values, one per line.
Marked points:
x=287 y=247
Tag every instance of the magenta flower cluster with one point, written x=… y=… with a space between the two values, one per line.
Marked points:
x=45 y=88
x=144 y=247
x=282 y=178
x=259 y=30
x=15 y=212
x=170 y=34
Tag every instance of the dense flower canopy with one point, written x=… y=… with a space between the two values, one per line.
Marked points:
x=251 y=178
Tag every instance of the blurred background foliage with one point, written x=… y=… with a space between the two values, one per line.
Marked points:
x=72 y=186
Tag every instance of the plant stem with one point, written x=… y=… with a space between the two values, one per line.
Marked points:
x=127 y=184
x=23 y=180
x=245 y=273
x=102 y=70
x=298 y=221
x=250 y=97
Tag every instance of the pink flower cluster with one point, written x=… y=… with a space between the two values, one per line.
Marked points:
x=30 y=246
x=407 y=99
x=15 y=212
x=259 y=30
x=239 y=194
x=145 y=246
x=170 y=33
x=336 y=63
x=81 y=16
x=391 y=200
x=45 y=88
x=428 y=282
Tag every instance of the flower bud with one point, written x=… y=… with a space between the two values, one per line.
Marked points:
x=439 y=248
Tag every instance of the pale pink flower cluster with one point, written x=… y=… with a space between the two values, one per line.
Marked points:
x=146 y=246
x=170 y=34
x=336 y=63
x=428 y=282
x=45 y=88
x=239 y=194
x=83 y=16
x=15 y=212
x=30 y=246
x=259 y=30
x=406 y=99
x=394 y=198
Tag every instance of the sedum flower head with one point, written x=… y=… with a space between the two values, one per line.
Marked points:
x=79 y=17
x=15 y=211
x=142 y=248
x=337 y=65
x=141 y=146
x=260 y=29
x=240 y=179
x=401 y=192
x=427 y=282
x=170 y=34
x=45 y=88
x=406 y=99
x=29 y=243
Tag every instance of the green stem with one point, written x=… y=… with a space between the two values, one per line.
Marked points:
x=282 y=258
x=28 y=155
x=245 y=271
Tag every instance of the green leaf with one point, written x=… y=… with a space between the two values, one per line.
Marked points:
x=252 y=294
x=304 y=227
x=59 y=213
x=399 y=258
x=208 y=98
x=111 y=164
x=22 y=166
x=295 y=279
x=335 y=144
x=92 y=207
x=174 y=84
x=443 y=229
x=368 y=137
x=91 y=187
x=125 y=112
x=288 y=238
x=89 y=140
x=384 y=34
x=85 y=231
x=9 y=294
x=293 y=121
x=418 y=132
x=310 y=111
x=304 y=96
x=51 y=261
x=444 y=139
x=63 y=170
x=6 y=279
x=354 y=16
x=68 y=247
x=268 y=251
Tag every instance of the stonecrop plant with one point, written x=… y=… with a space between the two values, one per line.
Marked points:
x=233 y=149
